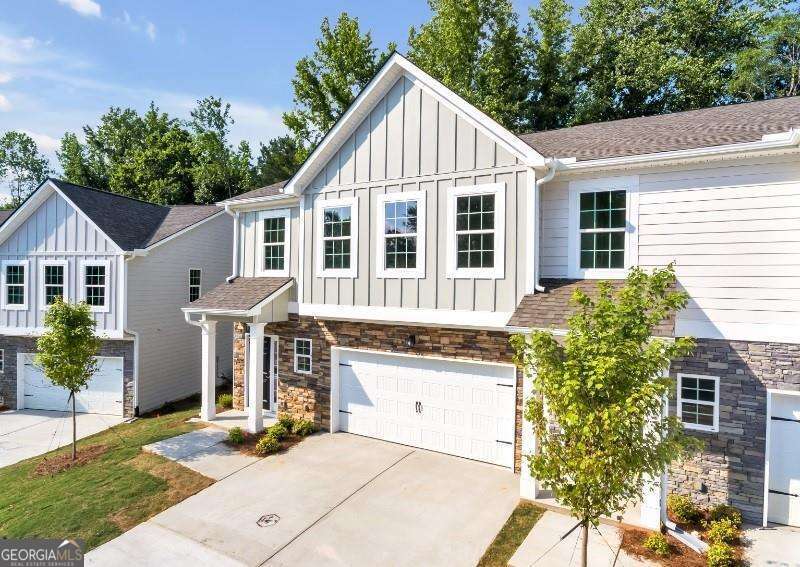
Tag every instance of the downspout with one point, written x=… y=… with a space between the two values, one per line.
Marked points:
x=552 y=166
x=235 y=272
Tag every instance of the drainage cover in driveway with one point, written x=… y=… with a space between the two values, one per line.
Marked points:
x=268 y=520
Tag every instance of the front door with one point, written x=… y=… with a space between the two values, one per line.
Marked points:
x=270 y=371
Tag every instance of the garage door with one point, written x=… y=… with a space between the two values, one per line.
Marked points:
x=784 y=463
x=104 y=394
x=461 y=408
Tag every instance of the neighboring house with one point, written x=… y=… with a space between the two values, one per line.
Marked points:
x=375 y=291
x=135 y=264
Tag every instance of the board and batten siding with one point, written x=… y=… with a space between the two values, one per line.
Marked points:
x=413 y=142
x=158 y=286
x=733 y=231
x=56 y=231
x=251 y=238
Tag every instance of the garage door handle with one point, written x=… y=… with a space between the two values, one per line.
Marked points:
x=504 y=442
x=786 y=419
x=784 y=493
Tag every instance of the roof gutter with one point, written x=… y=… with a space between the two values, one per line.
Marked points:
x=255 y=200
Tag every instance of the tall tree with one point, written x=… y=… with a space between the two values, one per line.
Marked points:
x=474 y=48
x=21 y=165
x=326 y=82
x=277 y=160
x=72 y=156
x=552 y=81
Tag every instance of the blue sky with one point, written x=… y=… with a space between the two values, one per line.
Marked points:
x=64 y=62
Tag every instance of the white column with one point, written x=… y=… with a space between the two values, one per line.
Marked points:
x=527 y=484
x=209 y=372
x=255 y=379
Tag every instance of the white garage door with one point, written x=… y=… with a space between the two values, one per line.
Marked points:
x=103 y=395
x=784 y=463
x=461 y=408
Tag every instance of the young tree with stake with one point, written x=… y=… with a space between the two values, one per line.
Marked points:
x=67 y=350
x=599 y=396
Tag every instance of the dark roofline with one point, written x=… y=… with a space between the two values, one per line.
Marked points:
x=120 y=195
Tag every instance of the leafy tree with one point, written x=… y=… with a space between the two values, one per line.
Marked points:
x=474 y=47
x=327 y=81
x=74 y=162
x=277 y=160
x=603 y=389
x=21 y=165
x=67 y=349
x=552 y=84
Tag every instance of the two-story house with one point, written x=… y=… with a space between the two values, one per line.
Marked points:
x=135 y=264
x=375 y=291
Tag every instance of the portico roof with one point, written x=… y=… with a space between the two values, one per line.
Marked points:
x=241 y=296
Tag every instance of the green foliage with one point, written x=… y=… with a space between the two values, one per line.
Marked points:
x=278 y=430
x=326 y=82
x=724 y=511
x=22 y=167
x=236 y=435
x=277 y=160
x=723 y=530
x=603 y=386
x=303 y=427
x=682 y=508
x=267 y=445
x=657 y=543
x=721 y=555
x=286 y=420
x=225 y=400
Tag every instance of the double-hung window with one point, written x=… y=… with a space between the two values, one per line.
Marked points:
x=95 y=285
x=476 y=231
x=195 y=279
x=401 y=235
x=698 y=401
x=274 y=235
x=53 y=281
x=338 y=224
x=15 y=285
x=302 y=356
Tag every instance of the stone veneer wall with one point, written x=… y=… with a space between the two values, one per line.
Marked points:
x=730 y=469
x=239 y=361
x=308 y=395
x=13 y=345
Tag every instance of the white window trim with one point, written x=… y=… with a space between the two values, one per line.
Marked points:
x=310 y=355
x=24 y=305
x=199 y=286
x=42 y=305
x=631 y=186
x=498 y=271
x=320 y=206
x=712 y=429
x=381 y=271
x=94 y=308
x=271 y=214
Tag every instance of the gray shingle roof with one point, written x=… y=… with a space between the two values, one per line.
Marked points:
x=240 y=294
x=706 y=127
x=129 y=222
x=268 y=191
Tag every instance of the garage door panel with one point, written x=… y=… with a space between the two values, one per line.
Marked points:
x=784 y=465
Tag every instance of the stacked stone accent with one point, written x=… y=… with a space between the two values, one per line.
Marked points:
x=730 y=469
x=13 y=345
x=239 y=362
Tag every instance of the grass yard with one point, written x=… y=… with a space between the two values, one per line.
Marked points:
x=99 y=500
x=511 y=536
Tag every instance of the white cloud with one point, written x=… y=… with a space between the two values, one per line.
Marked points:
x=46 y=144
x=19 y=50
x=5 y=77
x=150 y=30
x=83 y=7
x=138 y=25
x=5 y=104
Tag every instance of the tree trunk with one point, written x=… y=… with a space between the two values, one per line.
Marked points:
x=74 y=427
x=584 y=543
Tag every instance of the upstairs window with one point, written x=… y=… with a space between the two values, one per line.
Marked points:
x=53 y=282
x=401 y=235
x=274 y=248
x=602 y=229
x=698 y=402
x=476 y=235
x=15 y=285
x=195 y=277
x=338 y=222
x=95 y=285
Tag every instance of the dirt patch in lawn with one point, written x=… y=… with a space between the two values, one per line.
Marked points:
x=250 y=440
x=53 y=465
x=679 y=554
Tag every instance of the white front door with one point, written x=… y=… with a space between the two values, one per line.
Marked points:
x=784 y=460
x=452 y=406
x=103 y=395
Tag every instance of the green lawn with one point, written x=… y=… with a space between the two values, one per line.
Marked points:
x=511 y=536
x=103 y=498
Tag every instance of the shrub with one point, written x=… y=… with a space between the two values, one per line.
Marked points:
x=236 y=435
x=682 y=508
x=225 y=400
x=267 y=445
x=657 y=543
x=723 y=511
x=722 y=531
x=278 y=431
x=720 y=555
x=303 y=427
x=286 y=420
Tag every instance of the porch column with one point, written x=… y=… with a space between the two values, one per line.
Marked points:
x=255 y=379
x=209 y=372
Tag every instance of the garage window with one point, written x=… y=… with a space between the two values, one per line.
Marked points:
x=15 y=285
x=302 y=356
x=698 y=402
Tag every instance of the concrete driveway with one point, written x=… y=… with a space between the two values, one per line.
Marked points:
x=27 y=433
x=339 y=500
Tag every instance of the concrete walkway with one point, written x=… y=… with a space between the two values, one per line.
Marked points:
x=28 y=433
x=543 y=548
x=334 y=499
x=774 y=546
x=203 y=451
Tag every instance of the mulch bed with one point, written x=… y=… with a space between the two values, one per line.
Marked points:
x=54 y=465
x=679 y=554
x=250 y=440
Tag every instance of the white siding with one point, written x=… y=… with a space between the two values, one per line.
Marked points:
x=158 y=286
x=250 y=238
